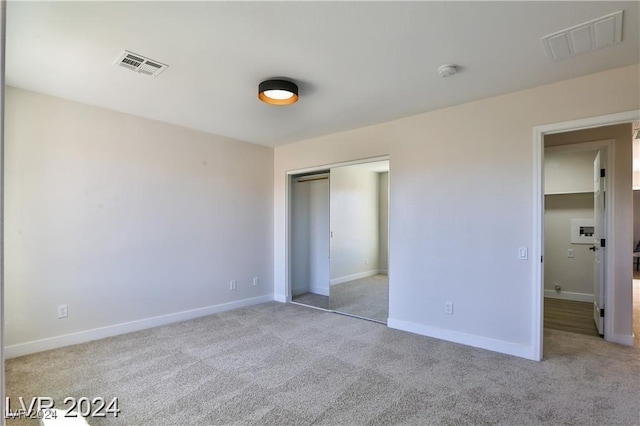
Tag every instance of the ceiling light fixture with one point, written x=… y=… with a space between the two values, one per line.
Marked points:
x=278 y=92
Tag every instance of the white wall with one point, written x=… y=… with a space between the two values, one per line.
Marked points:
x=354 y=223
x=573 y=274
x=383 y=222
x=463 y=204
x=126 y=220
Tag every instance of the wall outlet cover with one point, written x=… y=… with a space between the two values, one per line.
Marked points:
x=448 y=308
x=63 y=311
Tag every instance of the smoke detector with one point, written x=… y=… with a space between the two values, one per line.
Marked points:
x=141 y=64
x=447 y=70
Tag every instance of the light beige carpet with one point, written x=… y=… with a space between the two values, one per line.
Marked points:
x=365 y=297
x=277 y=364
x=313 y=300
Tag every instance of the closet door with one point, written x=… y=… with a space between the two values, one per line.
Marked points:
x=359 y=206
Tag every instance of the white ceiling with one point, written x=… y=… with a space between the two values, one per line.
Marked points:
x=357 y=63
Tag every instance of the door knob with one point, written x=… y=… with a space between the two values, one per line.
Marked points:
x=593 y=248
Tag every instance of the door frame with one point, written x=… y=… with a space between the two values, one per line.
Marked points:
x=288 y=215
x=539 y=133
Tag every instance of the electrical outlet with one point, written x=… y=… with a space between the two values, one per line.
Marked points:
x=570 y=253
x=448 y=308
x=256 y=281
x=233 y=284
x=63 y=311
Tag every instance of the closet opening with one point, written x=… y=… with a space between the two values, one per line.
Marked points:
x=339 y=239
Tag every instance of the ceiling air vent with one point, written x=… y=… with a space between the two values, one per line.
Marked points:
x=139 y=63
x=601 y=32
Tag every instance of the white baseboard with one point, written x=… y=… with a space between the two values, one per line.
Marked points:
x=357 y=276
x=568 y=295
x=623 y=339
x=127 y=327
x=501 y=346
x=323 y=291
x=282 y=298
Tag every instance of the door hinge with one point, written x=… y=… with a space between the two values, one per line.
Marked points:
x=602 y=313
x=602 y=173
x=602 y=242
x=541 y=259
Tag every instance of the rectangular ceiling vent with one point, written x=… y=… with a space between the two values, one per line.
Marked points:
x=592 y=35
x=139 y=63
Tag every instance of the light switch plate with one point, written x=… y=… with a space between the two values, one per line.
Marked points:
x=523 y=253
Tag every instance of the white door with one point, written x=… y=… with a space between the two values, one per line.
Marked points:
x=598 y=246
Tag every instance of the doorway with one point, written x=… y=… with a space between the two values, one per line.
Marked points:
x=618 y=254
x=338 y=245
x=573 y=217
x=310 y=266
